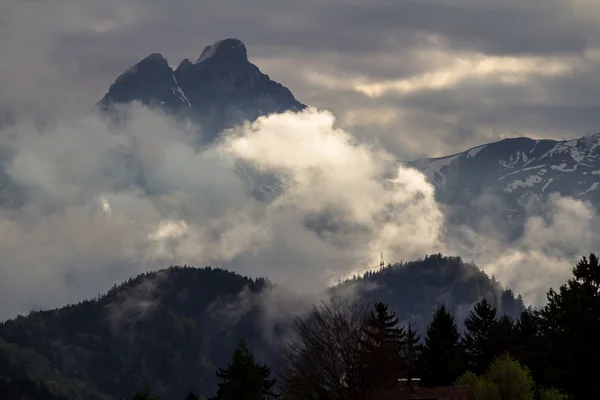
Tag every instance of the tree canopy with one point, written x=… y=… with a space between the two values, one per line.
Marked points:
x=244 y=379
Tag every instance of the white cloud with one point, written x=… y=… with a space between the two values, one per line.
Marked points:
x=140 y=196
x=555 y=238
x=102 y=204
x=445 y=70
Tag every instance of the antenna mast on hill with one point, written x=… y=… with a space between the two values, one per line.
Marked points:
x=381 y=263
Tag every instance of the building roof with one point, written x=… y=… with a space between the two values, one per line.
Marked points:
x=430 y=393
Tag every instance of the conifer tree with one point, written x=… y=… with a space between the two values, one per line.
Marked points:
x=527 y=347
x=243 y=379
x=382 y=348
x=504 y=335
x=569 y=325
x=440 y=361
x=383 y=326
x=192 y=396
x=411 y=350
x=479 y=337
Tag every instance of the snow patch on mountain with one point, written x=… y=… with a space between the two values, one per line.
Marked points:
x=182 y=95
x=435 y=168
x=473 y=152
x=530 y=181
x=520 y=157
x=593 y=187
x=547 y=184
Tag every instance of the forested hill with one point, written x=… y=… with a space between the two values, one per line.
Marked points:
x=155 y=330
x=169 y=330
x=416 y=289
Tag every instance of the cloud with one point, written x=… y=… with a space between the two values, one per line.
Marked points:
x=275 y=308
x=99 y=202
x=557 y=233
x=417 y=78
x=290 y=196
x=134 y=303
x=452 y=74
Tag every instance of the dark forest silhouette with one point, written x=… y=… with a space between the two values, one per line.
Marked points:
x=342 y=349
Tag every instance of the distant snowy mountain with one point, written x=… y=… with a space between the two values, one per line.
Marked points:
x=220 y=89
x=518 y=171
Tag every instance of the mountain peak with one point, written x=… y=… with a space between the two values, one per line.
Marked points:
x=154 y=64
x=227 y=49
x=155 y=58
x=223 y=88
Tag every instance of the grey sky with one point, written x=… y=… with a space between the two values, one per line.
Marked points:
x=442 y=75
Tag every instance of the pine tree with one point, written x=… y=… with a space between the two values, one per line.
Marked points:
x=411 y=351
x=243 y=379
x=527 y=346
x=569 y=325
x=192 y=396
x=440 y=361
x=382 y=326
x=382 y=348
x=479 y=337
x=504 y=335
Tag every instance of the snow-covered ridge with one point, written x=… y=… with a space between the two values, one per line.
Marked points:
x=519 y=167
x=434 y=168
x=473 y=152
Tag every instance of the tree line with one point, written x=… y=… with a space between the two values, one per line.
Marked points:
x=349 y=351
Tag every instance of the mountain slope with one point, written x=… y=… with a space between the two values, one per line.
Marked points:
x=520 y=172
x=156 y=329
x=171 y=329
x=27 y=375
x=220 y=89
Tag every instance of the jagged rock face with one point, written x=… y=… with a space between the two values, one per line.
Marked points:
x=221 y=89
x=519 y=173
x=150 y=81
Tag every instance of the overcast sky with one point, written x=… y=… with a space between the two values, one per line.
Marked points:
x=422 y=77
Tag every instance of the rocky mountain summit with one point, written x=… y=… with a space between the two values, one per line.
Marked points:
x=222 y=88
